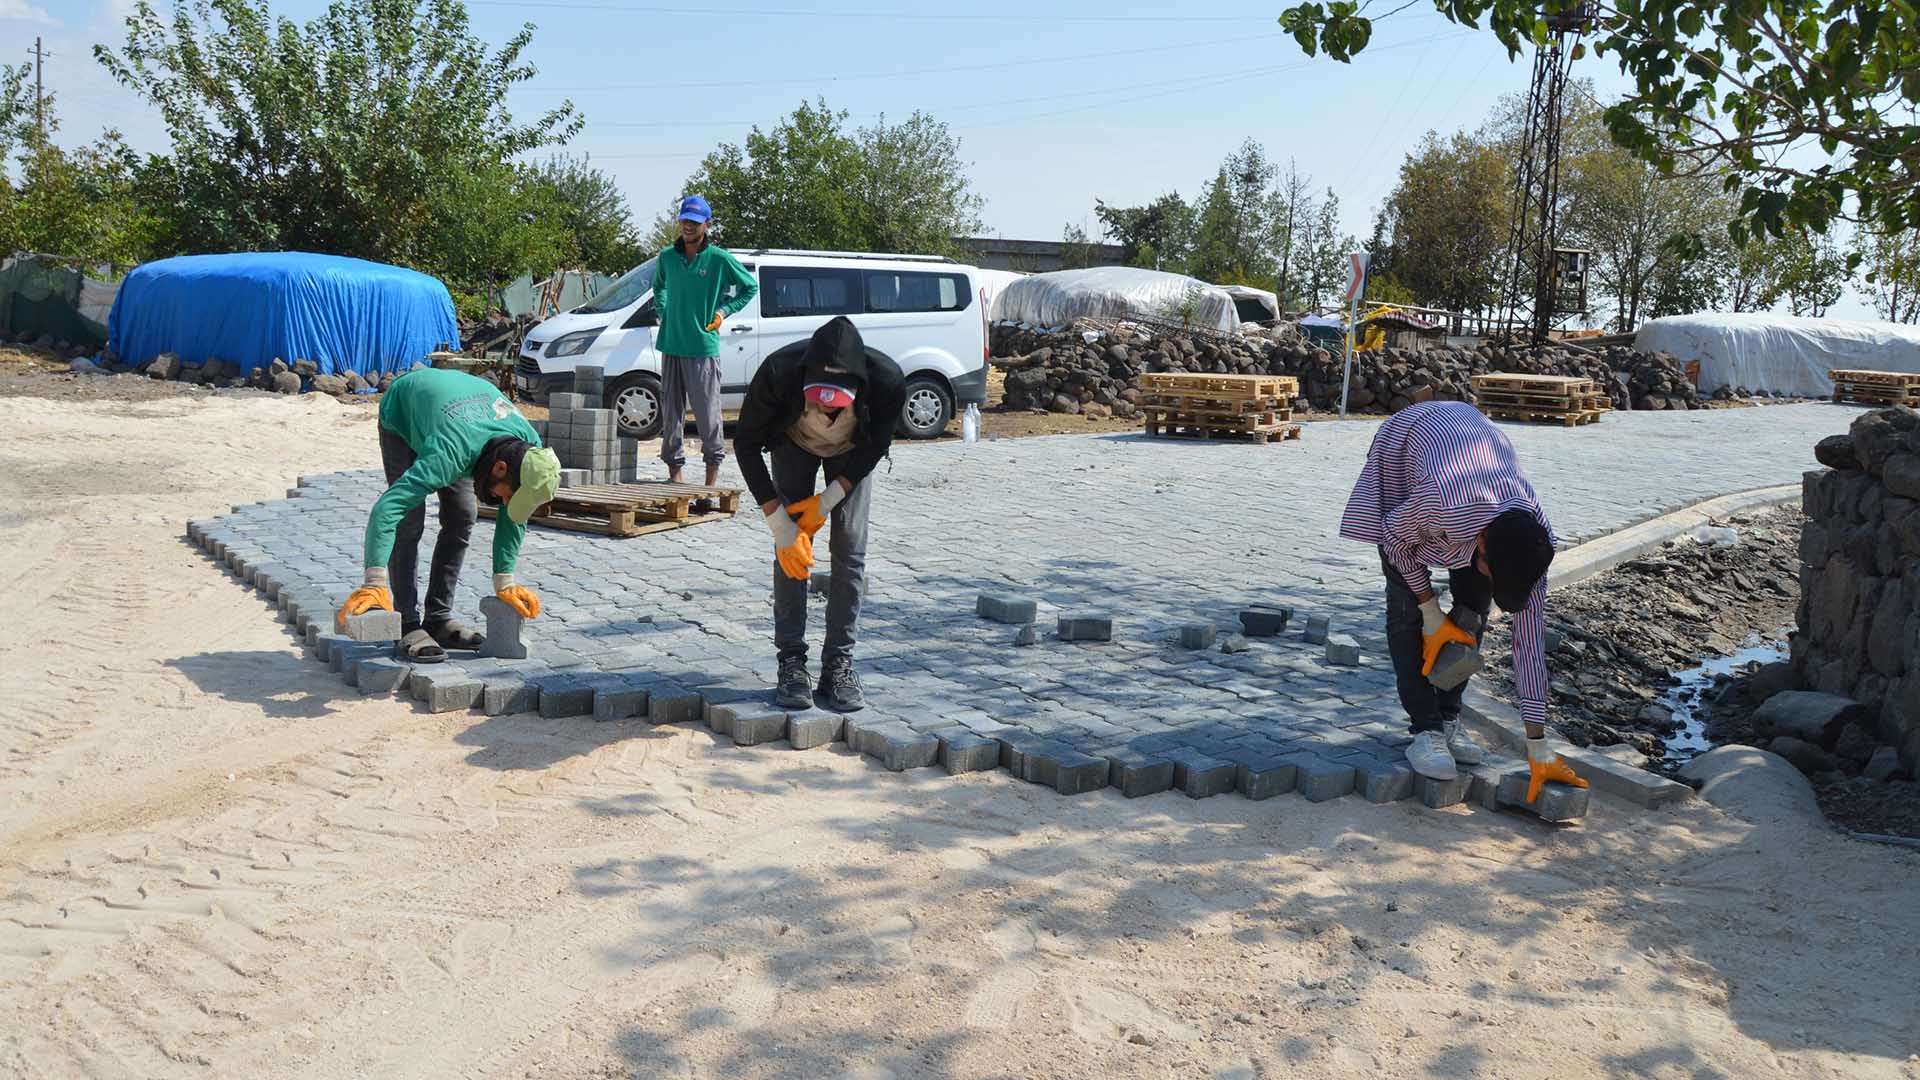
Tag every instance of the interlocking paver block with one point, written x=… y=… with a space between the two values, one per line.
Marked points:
x=1487 y=778
x=1557 y=802
x=1380 y=780
x=1200 y=775
x=1266 y=777
x=1320 y=779
x=1075 y=773
x=1438 y=793
x=1015 y=744
x=675 y=706
x=1137 y=772
x=506 y=698
x=1040 y=761
x=817 y=728
x=1085 y=628
x=446 y=690
x=1316 y=631
x=1260 y=621
x=562 y=696
x=382 y=675
x=345 y=659
x=1198 y=636
x=504 y=626
x=964 y=751
x=900 y=748
x=1006 y=609
x=374 y=626
x=618 y=703
x=1342 y=649
x=761 y=726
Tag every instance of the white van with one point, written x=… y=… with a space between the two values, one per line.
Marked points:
x=927 y=313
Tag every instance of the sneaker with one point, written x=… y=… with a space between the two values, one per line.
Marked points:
x=1465 y=749
x=1429 y=756
x=840 y=686
x=796 y=686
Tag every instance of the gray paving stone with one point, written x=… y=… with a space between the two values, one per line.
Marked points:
x=1262 y=621
x=504 y=626
x=618 y=703
x=564 y=695
x=1316 y=631
x=1380 y=780
x=1557 y=803
x=382 y=675
x=1263 y=778
x=1136 y=772
x=1076 y=773
x=345 y=659
x=446 y=690
x=506 y=698
x=899 y=747
x=1005 y=609
x=1199 y=775
x=816 y=727
x=675 y=705
x=374 y=626
x=1085 y=628
x=1198 y=636
x=1320 y=779
x=761 y=726
x=1342 y=649
x=962 y=750
x=1438 y=793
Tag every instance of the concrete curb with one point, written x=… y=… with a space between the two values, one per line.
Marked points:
x=1605 y=772
x=1609 y=551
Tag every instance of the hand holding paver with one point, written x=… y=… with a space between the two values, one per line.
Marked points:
x=1431 y=644
x=796 y=559
x=362 y=600
x=1545 y=764
x=521 y=599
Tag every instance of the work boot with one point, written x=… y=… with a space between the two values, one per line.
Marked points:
x=1465 y=749
x=840 y=686
x=1429 y=756
x=796 y=686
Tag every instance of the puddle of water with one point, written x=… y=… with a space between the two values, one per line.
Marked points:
x=1690 y=739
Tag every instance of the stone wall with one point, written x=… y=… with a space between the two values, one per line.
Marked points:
x=1859 y=620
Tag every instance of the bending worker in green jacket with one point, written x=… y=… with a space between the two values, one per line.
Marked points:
x=452 y=434
x=689 y=280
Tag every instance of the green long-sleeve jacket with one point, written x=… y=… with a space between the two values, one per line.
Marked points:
x=447 y=417
x=686 y=293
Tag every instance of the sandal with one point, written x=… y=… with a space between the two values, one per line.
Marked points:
x=453 y=634
x=419 y=647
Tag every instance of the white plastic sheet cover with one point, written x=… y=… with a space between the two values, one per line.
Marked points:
x=1784 y=354
x=1051 y=301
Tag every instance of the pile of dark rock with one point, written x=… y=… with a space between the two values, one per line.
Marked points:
x=1098 y=363
x=46 y=342
x=280 y=376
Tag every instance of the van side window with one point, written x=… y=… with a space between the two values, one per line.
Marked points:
x=916 y=290
x=808 y=290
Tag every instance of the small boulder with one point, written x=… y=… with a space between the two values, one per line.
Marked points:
x=1808 y=716
x=1836 y=452
x=278 y=366
x=357 y=383
x=286 y=382
x=1805 y=756
x=164 y=366
x=335 y=385
x=306 y=368
x=1883 y=765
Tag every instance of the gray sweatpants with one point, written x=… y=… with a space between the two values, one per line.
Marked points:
x=794 y=471
x=690 y=380
x=458 y=509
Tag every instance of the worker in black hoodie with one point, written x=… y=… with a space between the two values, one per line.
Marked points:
x=825 y=406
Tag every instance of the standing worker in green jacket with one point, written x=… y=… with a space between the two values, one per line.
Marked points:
x=688 y=282
x=452 y=434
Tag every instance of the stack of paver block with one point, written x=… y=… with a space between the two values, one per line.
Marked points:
x=587 y=437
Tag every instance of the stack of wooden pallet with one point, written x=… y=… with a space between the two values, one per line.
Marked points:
x=1256 y=408
x=632 y=509
x=1552 y=399
x=1876 y=387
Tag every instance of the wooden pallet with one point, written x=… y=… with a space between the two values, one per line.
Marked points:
x=1223 y=405
x=1219 y=387
x=1262 y=434
x=1513 y=399
x=1883 y=378
x=1535 y=416
x=1558 y=386
x=1877 y=394
x=1238 y=421
x=631 y=509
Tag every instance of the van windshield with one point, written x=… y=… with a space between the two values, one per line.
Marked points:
x=625 y=289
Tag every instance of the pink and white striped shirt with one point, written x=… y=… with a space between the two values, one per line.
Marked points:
x=1437 y=474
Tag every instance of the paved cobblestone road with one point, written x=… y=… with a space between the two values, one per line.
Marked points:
x=1154 y=533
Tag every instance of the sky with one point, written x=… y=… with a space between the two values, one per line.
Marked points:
x=1055 y=102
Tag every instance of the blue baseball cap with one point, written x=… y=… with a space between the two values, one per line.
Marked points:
x=694 y=208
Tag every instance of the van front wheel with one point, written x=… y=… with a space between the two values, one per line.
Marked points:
x=929 y=408
x=636 y=402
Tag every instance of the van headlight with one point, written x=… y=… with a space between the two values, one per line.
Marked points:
x=575 y=343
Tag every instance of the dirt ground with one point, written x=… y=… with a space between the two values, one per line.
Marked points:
x=216 y=860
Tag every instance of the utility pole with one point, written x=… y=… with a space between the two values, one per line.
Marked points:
x=39 y=93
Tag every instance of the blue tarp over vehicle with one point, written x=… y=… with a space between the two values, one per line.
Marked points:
x=343 y=314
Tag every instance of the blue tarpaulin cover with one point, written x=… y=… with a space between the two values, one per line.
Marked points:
x=343 y=314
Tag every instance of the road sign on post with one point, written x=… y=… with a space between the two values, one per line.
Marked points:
x=1356 y=283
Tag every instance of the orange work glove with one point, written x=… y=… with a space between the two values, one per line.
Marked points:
x=362 y=600
x=1547 y=765
x=807 y=515
x=796 y=559
x=715 y=324
x=521 y=599
x=1431 y=644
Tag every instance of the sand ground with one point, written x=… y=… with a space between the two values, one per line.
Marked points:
x=216 y=860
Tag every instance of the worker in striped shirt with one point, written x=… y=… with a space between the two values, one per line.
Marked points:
x=1441 y=488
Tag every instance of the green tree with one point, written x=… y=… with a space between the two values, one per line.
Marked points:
x=362 y=132
x=1157 y=236
x=1322 y=255
x=1446 y=222
x=809 y=183
x=594 y=212
x=1816 y=274
x=1730 y=85
x=1294 y=215
x=1630 y=216
x=1076 y=251
x=1893 y=275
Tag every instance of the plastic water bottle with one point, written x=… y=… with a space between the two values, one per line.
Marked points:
x=970 y=423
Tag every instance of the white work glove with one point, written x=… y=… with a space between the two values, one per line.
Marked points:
x=835 y=494
x=1431 y=618
x=784 y=529
x=1538 y=750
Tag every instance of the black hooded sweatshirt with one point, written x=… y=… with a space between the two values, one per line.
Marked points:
x=775 y=400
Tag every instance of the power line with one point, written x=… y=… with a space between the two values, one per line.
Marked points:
x=812 y=80
x=896 y=16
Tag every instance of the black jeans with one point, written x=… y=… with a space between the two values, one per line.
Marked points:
x=794 y=471
x=458 y=509
x=1428 y=706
